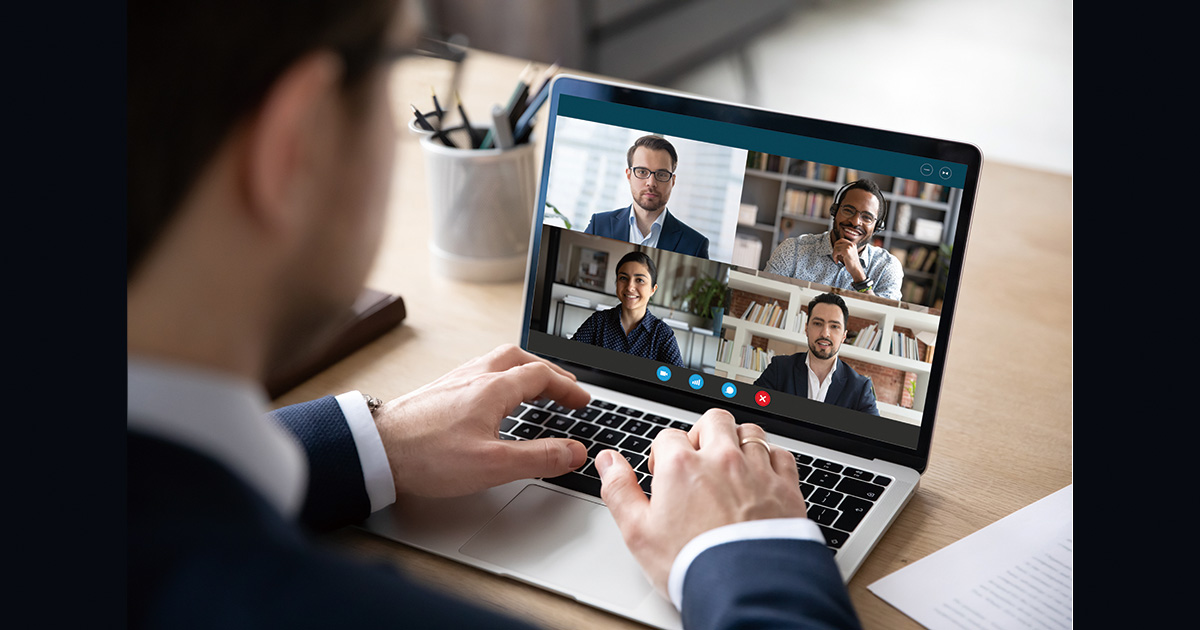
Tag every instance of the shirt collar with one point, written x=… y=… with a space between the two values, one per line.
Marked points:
x=828 y=377
x=223 y=417
x=655 y=228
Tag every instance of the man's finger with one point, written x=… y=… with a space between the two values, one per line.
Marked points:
x=530 y=381
x=620 y=490
x=545 y=457
x=715 y=426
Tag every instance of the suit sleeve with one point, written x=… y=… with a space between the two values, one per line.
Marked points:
x=766 y=583
x=703 y=253
x=591 y=226
x=770 y=377
x=866 y=397
x=337 y=492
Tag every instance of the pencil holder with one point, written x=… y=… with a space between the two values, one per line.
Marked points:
x=482 y=203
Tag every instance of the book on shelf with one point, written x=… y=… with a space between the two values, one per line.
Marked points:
x=814 y=170
x=765 y=314
x=807 y=203
x=868 y=338
x=756 y=359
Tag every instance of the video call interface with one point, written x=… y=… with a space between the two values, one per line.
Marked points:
x=726 y=272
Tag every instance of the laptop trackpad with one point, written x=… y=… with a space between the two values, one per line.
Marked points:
x=564 y=542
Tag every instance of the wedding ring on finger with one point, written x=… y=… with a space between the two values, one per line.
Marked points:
x=756 y=440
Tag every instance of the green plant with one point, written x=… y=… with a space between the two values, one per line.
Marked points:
x=704 y=295
x=565 y=220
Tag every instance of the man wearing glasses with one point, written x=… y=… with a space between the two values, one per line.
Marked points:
x=651 y=175
x=843 y=257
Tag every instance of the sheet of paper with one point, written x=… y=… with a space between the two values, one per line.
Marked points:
x=1014 y=573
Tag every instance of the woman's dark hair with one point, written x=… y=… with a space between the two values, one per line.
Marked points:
x=196 y=69
x=640 y=257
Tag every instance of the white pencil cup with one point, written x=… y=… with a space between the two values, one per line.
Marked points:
x=481 y=202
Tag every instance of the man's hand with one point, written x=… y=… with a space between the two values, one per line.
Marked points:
x=703 y=479
x=845 y=252
x=443 y=439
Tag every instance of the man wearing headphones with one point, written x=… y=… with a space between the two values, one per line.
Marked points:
x=843 y=257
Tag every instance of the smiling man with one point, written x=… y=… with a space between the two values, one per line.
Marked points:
x=819 y=374
x=843 y=257
x=651 y=165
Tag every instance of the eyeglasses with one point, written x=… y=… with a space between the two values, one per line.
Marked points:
x=662 y=175
x=854 y=214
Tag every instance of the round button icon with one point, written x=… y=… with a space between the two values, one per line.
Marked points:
x=927 y=169
x=663 y=373
x=729 y=390
x=762 y=398
x=696 y=381
x=945 y=172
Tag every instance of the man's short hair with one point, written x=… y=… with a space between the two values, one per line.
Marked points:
x=829 y=298
x=656 y=143
x=869 y=186
x=640 y=257
x=196 y=69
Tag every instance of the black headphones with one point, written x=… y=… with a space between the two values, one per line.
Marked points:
x=837 y=202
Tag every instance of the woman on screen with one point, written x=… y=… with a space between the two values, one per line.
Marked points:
x=630 y=327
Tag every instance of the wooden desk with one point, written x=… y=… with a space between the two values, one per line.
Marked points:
x=1003 y=438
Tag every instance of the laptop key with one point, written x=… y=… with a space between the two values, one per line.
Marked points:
x=868 y=491
x=586 y=413
x=634 y=459
x=858 y=473
x=611 y=420
x=526 y=430
x=637 y=427
x=826 y=498
x=853 y=510
x=603 y=404
x=679 y=424
x=632 y=413
x=833 y=537
x=536 y=415
x=551 y=433
x=611 y=437
x=656 y=419
x=583 y=430
x=825 y=479
x=506 y=424
x=822 y=515
x=824 y=464
x=559 y=423
x=635 y=444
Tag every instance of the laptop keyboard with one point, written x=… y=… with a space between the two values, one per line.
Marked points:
x=836 y=496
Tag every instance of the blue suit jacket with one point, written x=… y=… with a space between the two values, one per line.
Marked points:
x=207 y=551
x=676 y=236
x=789 y=374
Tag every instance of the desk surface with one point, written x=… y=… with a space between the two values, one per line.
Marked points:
x=1003 y=438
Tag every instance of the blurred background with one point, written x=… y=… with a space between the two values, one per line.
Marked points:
x=996 y=74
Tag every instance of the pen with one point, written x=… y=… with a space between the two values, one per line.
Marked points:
x=437 y=107
x=421 y=119
x=518 y=101
x=466 y=121
x=545 y=77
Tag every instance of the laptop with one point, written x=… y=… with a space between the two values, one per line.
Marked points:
x=752 y=182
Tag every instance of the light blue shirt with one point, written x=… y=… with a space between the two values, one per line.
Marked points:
x=636 y=236
x=810 y=257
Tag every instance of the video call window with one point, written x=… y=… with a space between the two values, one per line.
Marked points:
x=756 y=237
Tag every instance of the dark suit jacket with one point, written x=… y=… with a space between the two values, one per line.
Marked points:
x=675 y=236
x=207 y=551
x=789 y=374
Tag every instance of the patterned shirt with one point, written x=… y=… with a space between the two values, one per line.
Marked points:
x=652 y=338
x=810 y=257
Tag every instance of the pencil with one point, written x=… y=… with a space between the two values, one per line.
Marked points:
x=517 y=102
x=437 y=107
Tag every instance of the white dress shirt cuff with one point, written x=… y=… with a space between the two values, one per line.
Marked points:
x=376 y=472
x=798 y=528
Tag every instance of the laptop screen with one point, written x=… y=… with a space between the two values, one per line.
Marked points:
x=791 y=270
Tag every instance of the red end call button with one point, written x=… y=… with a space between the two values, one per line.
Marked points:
x=762 y=398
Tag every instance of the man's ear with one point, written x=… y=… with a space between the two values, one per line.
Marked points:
x=285 y=134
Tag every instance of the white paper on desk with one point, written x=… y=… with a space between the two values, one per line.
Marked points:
x=1014 y=573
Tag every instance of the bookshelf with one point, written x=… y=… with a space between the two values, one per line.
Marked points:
x=787 y=197
x=739 y=358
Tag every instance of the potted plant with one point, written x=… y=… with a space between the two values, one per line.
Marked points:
x=706 y=298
